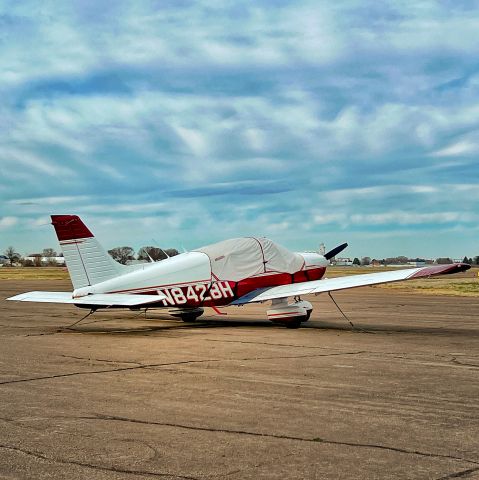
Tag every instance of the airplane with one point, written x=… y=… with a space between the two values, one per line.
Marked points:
x=236 y=272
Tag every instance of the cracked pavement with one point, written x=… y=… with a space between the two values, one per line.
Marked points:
x=123 y=396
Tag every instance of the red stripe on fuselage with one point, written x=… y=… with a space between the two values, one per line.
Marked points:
x=240 y=288
x=145 y=290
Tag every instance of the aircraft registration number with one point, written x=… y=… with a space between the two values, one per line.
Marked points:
x=196 y=294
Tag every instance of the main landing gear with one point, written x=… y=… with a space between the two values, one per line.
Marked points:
x=187 y=314
x=291 y=315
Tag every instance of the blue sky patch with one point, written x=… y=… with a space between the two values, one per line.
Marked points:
x=191 y=122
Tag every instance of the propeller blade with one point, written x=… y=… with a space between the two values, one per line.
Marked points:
x=332 y=253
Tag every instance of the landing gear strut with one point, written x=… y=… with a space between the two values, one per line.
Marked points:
x=291 y=315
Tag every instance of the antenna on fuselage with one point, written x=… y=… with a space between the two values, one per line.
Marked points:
x=167 y=256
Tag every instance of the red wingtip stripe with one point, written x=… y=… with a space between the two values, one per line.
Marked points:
x=441 y=270
x=70 y=227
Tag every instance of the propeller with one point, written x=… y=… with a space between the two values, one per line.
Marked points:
x=332 y=253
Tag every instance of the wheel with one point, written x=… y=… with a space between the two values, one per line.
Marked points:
x=186 y=314
x=307 y=316
x=190 y=317
x=296 y=323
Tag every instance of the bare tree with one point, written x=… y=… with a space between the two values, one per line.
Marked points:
x=365 y=261
x=49 y=252
x=156 y=253
x=12 y=255
x=122 y=254
x=443 y=260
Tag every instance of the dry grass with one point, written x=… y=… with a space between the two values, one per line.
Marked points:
x=344 y=271
x=463 y=284
x=461 y=287
x=34 y=273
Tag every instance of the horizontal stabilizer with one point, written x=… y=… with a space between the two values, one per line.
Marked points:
x=98 y=299
x=350 y=281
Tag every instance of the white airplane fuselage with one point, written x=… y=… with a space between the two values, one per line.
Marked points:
x=187 y=281
x=237 y=271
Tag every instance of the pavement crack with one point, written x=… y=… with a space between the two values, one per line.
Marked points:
x=143 y=473
x=91 y=359
x=110 y=370
x=40 y=334
x=158 y=365
x=460 y=474
x=280 y=437
x=268 y=343
x=455 y=361
x=288 y=357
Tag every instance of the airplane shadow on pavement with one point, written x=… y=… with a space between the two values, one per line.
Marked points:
x=158 y=325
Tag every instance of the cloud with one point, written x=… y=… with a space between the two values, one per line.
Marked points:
x=411 y=218
x=7 y=222
x=213 y=119
x=458 y=149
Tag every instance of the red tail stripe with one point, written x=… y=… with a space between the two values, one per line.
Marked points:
x=70 y=227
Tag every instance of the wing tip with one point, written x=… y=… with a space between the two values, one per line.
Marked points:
x=447 y=269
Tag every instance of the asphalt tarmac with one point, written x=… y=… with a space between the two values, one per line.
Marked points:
x=122 y=396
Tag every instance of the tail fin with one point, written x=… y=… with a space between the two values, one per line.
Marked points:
x=87 y=261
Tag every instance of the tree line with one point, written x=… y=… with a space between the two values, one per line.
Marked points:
x=401 y=260
x=35 y=259
x=124 y=255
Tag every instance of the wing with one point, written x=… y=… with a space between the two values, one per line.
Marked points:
x=98 y=299
x=351 y=281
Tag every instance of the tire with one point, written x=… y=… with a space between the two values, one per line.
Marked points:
x=190 y=317
x=296 y=323
x=308 y=315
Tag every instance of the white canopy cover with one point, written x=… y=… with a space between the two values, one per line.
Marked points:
x=240 y=258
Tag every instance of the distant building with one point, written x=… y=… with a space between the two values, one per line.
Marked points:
x=343 y=262
x=4 y=260
x=33 y=257
x=417 y=264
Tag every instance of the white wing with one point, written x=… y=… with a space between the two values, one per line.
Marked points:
x=99 y=299
x=351 y=281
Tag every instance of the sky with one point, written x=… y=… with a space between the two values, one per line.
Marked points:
x=181 y=123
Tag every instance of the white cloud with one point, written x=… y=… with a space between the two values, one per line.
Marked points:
x=413 y=218
x=332 y=105
x=7 y=222
x=194 y=140
x=463 y=147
